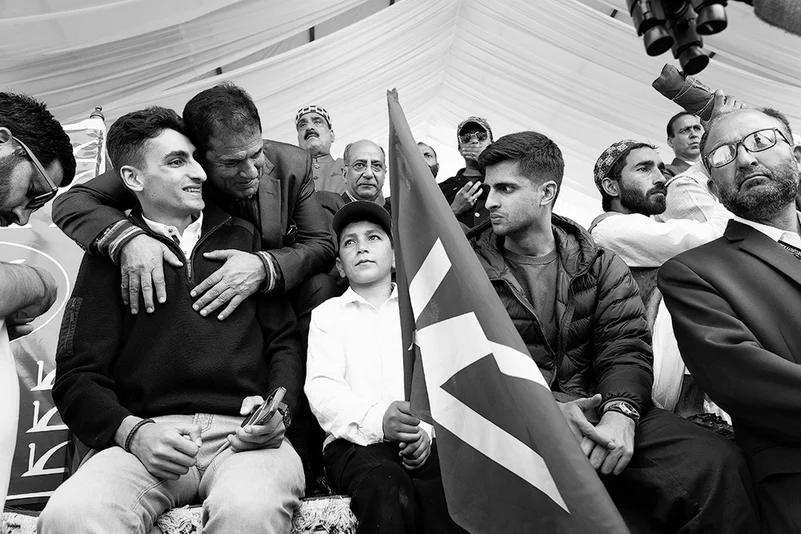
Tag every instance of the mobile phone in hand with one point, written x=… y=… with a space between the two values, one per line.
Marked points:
x=264 y=412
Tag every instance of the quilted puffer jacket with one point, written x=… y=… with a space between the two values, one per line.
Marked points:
x=603 y=344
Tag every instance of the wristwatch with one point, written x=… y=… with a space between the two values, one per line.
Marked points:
x=621 y=406
x=283 y=409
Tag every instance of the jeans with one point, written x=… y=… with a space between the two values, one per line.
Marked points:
x=247 y=491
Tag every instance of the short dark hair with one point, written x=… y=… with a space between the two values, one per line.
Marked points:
x=770 y=112
x=225 y=106
x=31 y=122
x=674 y=118
x=537 y=156
x=346 y=153
x=429 y=146
x=129 y=134
x=616 y=171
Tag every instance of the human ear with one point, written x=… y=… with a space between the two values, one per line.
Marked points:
x=340 y=269
x=549 y=191
x=131 y=177
x=610 y=187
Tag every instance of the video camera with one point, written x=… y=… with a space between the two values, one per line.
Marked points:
x=678 y=25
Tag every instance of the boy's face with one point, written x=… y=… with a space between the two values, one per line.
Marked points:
x=365 y=253
x=170 y=178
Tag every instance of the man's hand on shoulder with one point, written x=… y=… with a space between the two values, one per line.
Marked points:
x=238 y=278
x=142 y=264
x=611 y=461
x=399 y=424
x=167 y=450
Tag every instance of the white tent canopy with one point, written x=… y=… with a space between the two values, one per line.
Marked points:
x=573 y=69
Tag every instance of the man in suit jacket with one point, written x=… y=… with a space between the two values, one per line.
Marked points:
x=267 y=183
x=735 y=304
x=264 y=182
x=684 y=133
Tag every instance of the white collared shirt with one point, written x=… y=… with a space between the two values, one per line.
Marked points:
x=354 y=368
x=187 y=240
x=776 y=234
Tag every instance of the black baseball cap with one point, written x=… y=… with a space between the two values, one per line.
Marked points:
x=361 y=210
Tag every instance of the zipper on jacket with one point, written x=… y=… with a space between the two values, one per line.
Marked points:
x=203 y=237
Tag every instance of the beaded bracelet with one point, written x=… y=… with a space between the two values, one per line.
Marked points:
x=136 y=427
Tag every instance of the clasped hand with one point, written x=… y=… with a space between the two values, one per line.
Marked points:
x=401 y=426
x=609 y=445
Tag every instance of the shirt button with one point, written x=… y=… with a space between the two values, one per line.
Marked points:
x=478 y=215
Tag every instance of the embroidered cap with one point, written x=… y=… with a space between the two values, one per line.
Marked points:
x=313 y=109
x=610 y=156
x=475 y=120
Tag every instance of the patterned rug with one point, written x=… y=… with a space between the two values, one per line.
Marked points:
x=322 y=515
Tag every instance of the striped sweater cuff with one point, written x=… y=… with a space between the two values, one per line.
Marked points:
x=114 y=237
x=271 y=270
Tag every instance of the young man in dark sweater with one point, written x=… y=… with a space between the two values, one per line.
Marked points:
x=157 y=395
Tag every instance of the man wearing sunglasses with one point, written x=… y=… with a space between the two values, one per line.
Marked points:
x=35 y=158
x=465 y=192
x=735 y=303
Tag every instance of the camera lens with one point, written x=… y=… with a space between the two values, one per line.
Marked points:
x=693 y=60
x=657 y=41
x=711 y=19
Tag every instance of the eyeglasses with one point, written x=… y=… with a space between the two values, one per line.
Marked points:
x=42 y=198
x=361 y=166
x=755 y=142
x=467 y=137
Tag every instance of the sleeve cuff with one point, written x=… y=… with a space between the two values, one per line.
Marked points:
x=111 y=242
x=428 y=429
x=271 y=269
x=373 y=423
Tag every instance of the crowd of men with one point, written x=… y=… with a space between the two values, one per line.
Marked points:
x=245 y=265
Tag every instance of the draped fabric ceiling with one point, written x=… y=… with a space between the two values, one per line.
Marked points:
x=573 y=69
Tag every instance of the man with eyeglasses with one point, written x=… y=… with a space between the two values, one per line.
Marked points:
x=364 y=171
x=735 y=303
x=465 y=192
x=35 y=159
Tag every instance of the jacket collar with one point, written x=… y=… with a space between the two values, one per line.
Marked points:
x=764 y=248
x=212 y=217
x=576 y=249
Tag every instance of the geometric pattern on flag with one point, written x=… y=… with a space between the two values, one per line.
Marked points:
x=450 y=346
x=446 y=299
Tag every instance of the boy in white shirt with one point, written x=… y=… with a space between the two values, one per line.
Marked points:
x=375 y=450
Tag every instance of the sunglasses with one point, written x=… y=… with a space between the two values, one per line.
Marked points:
x=42 y=198
x=755 y=142
x=467 y=137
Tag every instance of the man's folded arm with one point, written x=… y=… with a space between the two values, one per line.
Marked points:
x=88 y=212
x=754 y=385
x=89 y=341
x=23 y=286
x=339 y=410
x=624 y=361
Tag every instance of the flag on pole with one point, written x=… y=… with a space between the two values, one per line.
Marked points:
x=509 y=461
